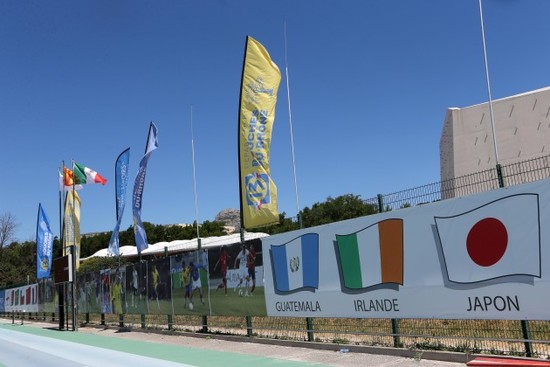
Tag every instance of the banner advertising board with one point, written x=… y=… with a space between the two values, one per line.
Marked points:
x=484 y=256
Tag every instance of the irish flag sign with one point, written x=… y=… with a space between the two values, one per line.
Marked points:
x=484 y=256
x=372 y=256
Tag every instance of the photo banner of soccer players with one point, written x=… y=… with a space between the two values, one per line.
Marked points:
x=484 y=256
x=219 y=280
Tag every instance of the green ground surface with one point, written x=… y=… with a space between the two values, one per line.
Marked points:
x=169 y=352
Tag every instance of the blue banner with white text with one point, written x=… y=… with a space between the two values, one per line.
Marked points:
x=139 y=230
x=121 y=183
x=44 y=245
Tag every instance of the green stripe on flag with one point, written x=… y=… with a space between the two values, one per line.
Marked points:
x=349 y=260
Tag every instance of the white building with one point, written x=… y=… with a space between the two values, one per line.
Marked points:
x=522 y=132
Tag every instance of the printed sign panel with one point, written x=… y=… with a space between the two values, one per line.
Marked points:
x=485 y=256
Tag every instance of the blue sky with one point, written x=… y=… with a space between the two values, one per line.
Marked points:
x=370 y=82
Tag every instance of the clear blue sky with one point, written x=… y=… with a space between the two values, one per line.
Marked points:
x=370 y=82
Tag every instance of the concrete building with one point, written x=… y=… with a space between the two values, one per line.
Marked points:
x=522 y=132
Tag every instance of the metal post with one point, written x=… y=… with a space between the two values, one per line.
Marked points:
x=204 y=324
x=380 y=203
x=143 y=321
x=527 y=338
x=309 y=326
x=74 y=304
x=102 y=318
x=395 y=331
x=170 y=322
x=121 y=320
x=249 y=326
x=500 y=176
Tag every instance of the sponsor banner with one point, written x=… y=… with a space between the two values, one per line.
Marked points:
x=21 y=299
x=260 y=84
x=484 y=256
x=121 y=183
x=139 y=230
x=44 y=244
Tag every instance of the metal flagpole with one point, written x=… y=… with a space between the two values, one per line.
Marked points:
x=488 y=83
x=199 y=247
x=61 y=287
x=73 y=288
x=195 y=188
x=291 y=134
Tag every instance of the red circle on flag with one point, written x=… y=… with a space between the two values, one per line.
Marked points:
x=487 y=241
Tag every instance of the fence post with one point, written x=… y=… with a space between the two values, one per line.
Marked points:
x=204 y=324
x=500 y=176
x=87 y=318
x=396 y=332
x=249 y=326
x=143 y=321
x=309 y=326
x=103 y=319
x=526 y=337
x=170 y=322
x=380 y=203
x=121 y=320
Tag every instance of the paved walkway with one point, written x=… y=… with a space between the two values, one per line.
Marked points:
x=213 y=352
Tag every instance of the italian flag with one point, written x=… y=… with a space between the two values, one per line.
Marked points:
x=85 y=175
x=372 y=256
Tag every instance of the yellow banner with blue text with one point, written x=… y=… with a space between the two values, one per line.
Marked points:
x=260 y=84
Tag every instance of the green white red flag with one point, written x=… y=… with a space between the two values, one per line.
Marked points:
x=85 y=175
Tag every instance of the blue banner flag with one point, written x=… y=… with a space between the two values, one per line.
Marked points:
x=121 y=183
x=139 y=230
x=44 y=244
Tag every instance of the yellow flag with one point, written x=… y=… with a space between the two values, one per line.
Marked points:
x=260 y=84
x=71 y=225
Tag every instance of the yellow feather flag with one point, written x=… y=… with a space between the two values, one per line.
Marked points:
x=259 y=87
x=71 y=225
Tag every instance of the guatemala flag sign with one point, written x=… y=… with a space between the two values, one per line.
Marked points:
x=139 y=230
x=121 y=183
x=296 y=263
x=44 y=245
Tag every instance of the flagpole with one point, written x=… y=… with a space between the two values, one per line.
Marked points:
x=291 y=133
x=199 y=247
x=195 y=180
x=487 y=81
x=73 y=288
x=64 y=319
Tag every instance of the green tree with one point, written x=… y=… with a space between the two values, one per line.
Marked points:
x=336 y=209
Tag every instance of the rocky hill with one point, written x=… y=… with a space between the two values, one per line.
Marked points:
x=230 y=217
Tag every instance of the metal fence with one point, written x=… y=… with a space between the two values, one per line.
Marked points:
x=497 y=337
x=506 y=175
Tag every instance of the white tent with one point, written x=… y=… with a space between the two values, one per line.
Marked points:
x=180 y=245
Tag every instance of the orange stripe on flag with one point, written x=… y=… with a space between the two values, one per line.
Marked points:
x=391 y=250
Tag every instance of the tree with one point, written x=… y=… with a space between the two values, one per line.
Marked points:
x=336 y=209
x=8 y=226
